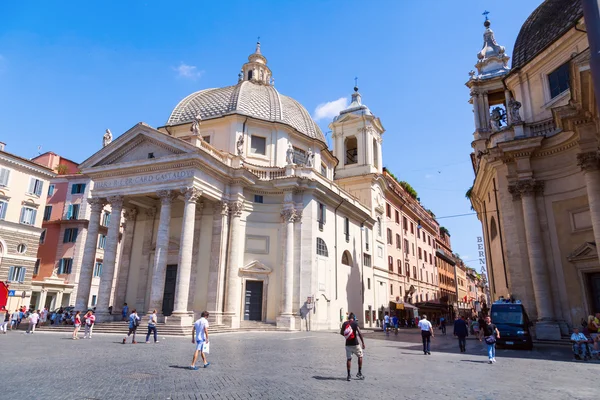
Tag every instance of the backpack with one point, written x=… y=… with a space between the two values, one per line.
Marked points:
x=348 y=332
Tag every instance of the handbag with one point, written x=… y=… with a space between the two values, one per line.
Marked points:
x=490 y=339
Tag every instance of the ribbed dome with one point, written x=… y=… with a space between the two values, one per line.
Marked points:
x=248 y=98
x=551 y=20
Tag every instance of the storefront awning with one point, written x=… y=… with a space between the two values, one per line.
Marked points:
x=403 y=306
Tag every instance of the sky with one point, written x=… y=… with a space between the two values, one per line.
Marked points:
x=69 y=70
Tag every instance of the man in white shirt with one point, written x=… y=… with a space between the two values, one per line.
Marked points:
x=34 y=318
x=580 y=345
x=426 y=334
x=200 y=339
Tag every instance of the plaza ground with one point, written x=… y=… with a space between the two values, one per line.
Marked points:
x=284 y=365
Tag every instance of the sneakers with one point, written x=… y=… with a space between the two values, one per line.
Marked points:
x=494 y=359
x=206 y=365
x=490 y=362
x=124 y=341
x=147 y=342
x=194 y=368
x=360 y=376
x=348 y=378
x=428 y=353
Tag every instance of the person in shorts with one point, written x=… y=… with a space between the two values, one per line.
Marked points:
x=134 y=322
x=351 y=332
x=200 y=339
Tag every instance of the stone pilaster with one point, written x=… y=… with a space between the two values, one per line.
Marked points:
x=286 y=319
x=110 y=257
x=182 y=286
x=233 y=294
x=130 y=215
x=216 y=273
x=547 y=327
x=59 y=297
x=144 y=279
x=89 y=255
x=590 y=165
x=43 y=294
x=160 y=255
x=196 y=254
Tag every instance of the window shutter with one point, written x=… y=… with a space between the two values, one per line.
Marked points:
x=60 y=265
x=4 y=173
x=70 y=211
x=11 y=271
x=31 y=185
x=74 y=236
x=39 y=187
x=3 y=207
x=82 y=190
x=324 y=213
x=33 y=216
x=73 y=188
x=66 y=235
x=22 y=217
x=21 y=274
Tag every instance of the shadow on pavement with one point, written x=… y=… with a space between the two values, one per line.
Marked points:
x=328 y=378
x=180 y=367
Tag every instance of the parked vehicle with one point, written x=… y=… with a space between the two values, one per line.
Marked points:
x=513 y=323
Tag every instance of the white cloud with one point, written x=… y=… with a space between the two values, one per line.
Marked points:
x=188 y=71
x=428 y=176
x=330 y=109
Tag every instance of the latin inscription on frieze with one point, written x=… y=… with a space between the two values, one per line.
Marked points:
x=143 y=179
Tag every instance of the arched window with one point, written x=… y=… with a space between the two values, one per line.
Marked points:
x=375 y=154
x=322 y=248
x=249 y=75
x=351 y=149
x=493 y=229
x=347 y=258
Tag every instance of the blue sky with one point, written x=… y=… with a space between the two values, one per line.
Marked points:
x=69 y=72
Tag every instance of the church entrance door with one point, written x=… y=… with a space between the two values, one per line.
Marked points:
x=253 y=301
x=169 y=293
x=594 y=280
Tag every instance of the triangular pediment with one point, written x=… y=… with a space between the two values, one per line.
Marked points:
x=140 y=143
x=587 y=251
x=256 y=267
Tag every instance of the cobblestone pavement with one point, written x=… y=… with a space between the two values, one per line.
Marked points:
x=274 y=365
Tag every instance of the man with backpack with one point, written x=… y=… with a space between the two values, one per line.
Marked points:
x=134 y=322
x=351 y=332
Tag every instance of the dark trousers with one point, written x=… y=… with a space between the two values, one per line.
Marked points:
x=462 y=343
x=150 y=330
x=426 y=336
x=444 y=329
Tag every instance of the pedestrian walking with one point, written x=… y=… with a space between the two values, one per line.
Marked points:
x=44 y=316
x=461 y=331
x=351 y=332
x=134 y=322
x=34 y=318
x=14 y=320
x=5 y=319
x=152 y=327
x=124 y=312
x=386 y=323
x=426 y=334
x=90 y=320
x=443 y=325
x=490 y=333
x=395 y=324
x=76 y=325
x=200 y=339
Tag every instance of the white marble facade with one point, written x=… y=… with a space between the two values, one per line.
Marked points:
x=230 y=208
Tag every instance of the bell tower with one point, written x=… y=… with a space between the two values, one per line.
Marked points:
x=357 y=136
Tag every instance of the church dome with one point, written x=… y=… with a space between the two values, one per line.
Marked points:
x=254 y=96
x=551 y=20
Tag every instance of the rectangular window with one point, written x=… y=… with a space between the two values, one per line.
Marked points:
x=367 y=239
x=407 y=268
x=414 y=272
x=206 y=139
x=299 y=156
x=398 y=241
x=16 y=274
x=28 y=216
x=369 y=283
x=399 y=266
x=35 y=186
x=405 y=223
x=390 y=263
x=73 y=211
x=64 y=266
x=36 y=267
x=429 y=240
x=388 y=210
x=420 y=254
x=347 y=229
x=558 y=80
x=50 y=190
x=47 y=213
x=424 y=234
x=391 y=289
x=78 y=188
x=421 y=271
x=412 y=228
x=367 y=260
x=406 y=246
x=97 y=270
x=418 y=234
x=258 y=199
x=321 y=216
x=3 y=207
x=4 y=175
x=70 y=235
x=324 y=170
x=43 y=237
x=258 y=145
x=101 y=241
x=397 y=217
x=413 y=249
x=105 y=218
x=389 y=236
x=94 y=297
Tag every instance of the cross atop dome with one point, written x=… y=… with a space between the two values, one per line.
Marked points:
x=492 y=59
x=256 y=69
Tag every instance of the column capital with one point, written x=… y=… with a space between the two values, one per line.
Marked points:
x=290 y=215
x=589 y=161
x=116 y=201
x=526 y=187
x=150 y=212
x=96 y=203
x=236 y=208
x=221 y=208
x=191 y=194
x=166 y=196
x=130 y=213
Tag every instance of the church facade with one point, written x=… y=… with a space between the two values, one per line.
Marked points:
x=234 y=207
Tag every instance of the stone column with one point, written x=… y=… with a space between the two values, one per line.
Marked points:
x=547 y=326
x=286 y=318
x=182 y=286
x=89 y=255
x=125 y=260
x=160 y=255
x=59 y=297
x=589 y=163
x=144 y=274
x=233 y=295
x=218 y=256
x=110 y=257
x=43 y=294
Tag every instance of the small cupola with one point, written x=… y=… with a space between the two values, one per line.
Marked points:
x=492 y=61
x=256 y=69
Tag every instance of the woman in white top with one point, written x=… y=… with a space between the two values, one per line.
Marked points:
x=152 y=327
